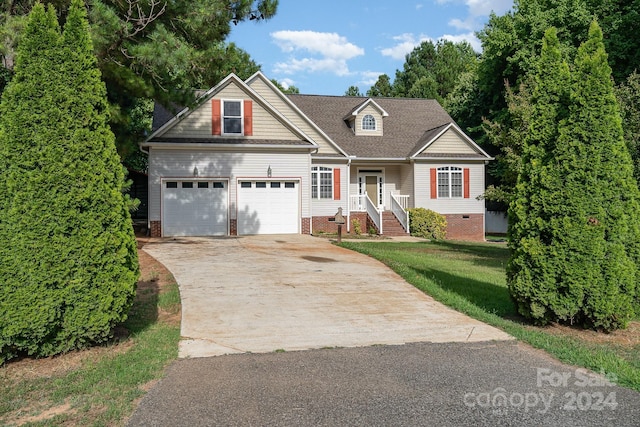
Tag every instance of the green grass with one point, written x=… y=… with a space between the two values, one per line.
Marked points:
x=470 y=277
x=102 y=391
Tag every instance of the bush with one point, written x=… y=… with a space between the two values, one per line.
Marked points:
x=427 y=223
x=68 y=261
x=356 y=226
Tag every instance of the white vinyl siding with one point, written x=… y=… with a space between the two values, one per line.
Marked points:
x=165 y=163
x=459 y=205
x=329 y=207
x=450 y=143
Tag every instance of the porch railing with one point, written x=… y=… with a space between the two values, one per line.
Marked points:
x=374 y=213
x=398 y=207
x=358 y=203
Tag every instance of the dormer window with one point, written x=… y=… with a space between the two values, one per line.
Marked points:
x=368 y=122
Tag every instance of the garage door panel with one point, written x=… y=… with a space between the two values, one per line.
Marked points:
x=195 y=208
x=268 y=207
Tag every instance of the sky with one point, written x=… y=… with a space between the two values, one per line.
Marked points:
x=324 y=47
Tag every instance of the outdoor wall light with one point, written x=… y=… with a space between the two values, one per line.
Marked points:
x=195 y=171
x=269 y=171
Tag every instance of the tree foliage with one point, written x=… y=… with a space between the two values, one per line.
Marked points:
x=432 y=70
x=629 y=98
x=510 y=45
x=574 y=227
x=152 y=49
x=353 y=91
x=68 y=262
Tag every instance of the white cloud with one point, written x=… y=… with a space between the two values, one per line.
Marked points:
x=369 y=78
x=468 y=37
x=321 y=52
x=405 y=44
x=419 y=6
x=287 y=83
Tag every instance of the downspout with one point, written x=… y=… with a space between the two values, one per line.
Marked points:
x=349 y=195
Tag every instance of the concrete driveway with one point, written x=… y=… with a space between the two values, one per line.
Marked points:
x=261 y=294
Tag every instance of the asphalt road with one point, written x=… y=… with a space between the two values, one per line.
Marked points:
x=420 y=384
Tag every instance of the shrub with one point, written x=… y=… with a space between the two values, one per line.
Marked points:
x=68 y=261
x=574 y=229
x=427 y=223
x=356 y=226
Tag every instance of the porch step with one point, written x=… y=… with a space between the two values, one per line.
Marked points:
x=391 y=226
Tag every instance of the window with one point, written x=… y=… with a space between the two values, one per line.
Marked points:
x=275 y=185
x=203 y=184
x=232 y=117
x=289 y=185
x=187 y=185
x=172 y=184
x=368 y=122
x=449 y=182
x=245 y=184
x=221 y=184
x=321 y=182
x=261 y=185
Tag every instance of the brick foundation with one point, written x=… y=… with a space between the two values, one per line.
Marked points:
x=306 y=225
x=321 y=224
x=233 y=227
x=156 y=228
x=465 y=227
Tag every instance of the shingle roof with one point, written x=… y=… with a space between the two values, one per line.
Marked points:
x=409 y=122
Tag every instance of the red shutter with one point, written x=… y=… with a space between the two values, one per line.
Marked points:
x=336 y=184
x=216 y=128
x=248 y=118
x=465 y=183
x=434 y=183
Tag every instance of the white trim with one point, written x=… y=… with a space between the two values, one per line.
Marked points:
x=375 y=123
x=381 y=182
x=213 y=146
x=366 y=103
x=222 y=117
x=460 y=133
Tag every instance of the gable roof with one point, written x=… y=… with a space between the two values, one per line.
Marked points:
x=164 y=120
x=411 y=123
x=358 y=108
x=421 y=149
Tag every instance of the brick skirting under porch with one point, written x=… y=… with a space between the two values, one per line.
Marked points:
x=155 y=228
x=465 y=227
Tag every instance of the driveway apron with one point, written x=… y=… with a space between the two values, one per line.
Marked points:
x=259 y=294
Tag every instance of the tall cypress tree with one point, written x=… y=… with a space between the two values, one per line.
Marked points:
x=575 y=258
x=531 y=271
x=69 y=267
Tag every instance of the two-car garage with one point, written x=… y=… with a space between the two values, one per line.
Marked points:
x=201 y=207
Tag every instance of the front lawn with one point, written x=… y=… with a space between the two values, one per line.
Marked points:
x=99 y=386
x=470 y=277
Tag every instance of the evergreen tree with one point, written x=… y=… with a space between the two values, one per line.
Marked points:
x=575 y=236
x=68 y=263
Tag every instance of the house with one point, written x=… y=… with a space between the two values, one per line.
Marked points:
x=248 y=159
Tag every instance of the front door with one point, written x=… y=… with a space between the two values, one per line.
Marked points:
x=370 y=183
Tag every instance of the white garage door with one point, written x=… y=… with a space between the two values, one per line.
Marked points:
x=195 y=208
x=268 y=207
